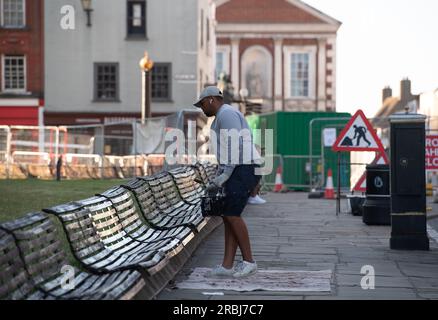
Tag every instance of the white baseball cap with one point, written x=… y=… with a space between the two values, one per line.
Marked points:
x=210 y=91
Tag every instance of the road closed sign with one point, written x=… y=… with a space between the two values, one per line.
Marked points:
x=431 y=152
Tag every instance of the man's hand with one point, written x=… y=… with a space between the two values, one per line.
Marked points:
x=217 y=183
x=220 y=180
x=211 y=188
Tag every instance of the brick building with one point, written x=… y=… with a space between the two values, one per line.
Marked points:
x=22 y=62
x=282 y=51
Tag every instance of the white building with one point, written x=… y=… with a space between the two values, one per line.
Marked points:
x=429 y=107
x=92 y=72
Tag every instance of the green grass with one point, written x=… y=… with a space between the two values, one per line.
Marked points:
x=18 y=197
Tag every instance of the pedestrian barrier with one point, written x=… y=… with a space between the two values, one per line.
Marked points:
x=122 y=252
x=40 y=165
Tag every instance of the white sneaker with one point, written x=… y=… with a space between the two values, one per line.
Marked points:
x=245 y=269
x=220 y=271
x=256 y=200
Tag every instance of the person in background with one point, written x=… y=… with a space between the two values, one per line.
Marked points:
x=254 y=197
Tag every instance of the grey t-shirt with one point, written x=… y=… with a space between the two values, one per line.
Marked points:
x=233 y=147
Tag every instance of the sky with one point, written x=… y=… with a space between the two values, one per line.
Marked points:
x=380 y=43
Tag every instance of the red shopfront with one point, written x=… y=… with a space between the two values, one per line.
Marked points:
x=21 y=112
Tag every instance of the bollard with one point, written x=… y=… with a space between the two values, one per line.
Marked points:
x=408 y=182
x=377 y=206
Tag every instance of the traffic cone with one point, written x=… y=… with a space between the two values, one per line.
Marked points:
x=329 y=190
x=278 y=181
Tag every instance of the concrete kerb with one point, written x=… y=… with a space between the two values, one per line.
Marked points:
x=154 y=284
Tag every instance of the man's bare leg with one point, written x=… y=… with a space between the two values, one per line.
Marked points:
x=256 y=190
x=230 y=246
x=240 y=231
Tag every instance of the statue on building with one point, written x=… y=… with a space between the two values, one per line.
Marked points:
x=254 y=81
x=226 y=86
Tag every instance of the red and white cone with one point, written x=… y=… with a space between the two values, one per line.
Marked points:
x=329 y=190
x=278 y=181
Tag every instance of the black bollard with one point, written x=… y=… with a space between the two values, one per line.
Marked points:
x=408 y=183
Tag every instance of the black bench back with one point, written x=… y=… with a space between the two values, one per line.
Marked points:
x=145 y=198
x=81 y=232
x=14 y=281
x=39 y=244
x=164 y=191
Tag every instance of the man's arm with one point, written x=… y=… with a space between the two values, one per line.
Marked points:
x=229 y=120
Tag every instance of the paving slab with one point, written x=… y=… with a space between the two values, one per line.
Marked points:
x=292 y=232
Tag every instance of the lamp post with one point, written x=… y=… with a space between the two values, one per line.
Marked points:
x=86 y=5
x=243 y=95
x=146 y=66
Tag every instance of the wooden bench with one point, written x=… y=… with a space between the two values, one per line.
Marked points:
x=161 y=204
x=31 y=263
x=210 y=169
x=167 y=197
x=189 y=190
x=121 y=255
x=201 y=172
x=128 y=214
x=100 y=242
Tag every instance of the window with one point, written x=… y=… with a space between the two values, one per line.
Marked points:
x=13 y=13
x=14 y=74
x=136 y=18
x=161 y=79
x=222 y=60
x=208 y=36
x=106 y=82
x=219 y=64
x=300 y=75
x=202 y=29
x=300 y=72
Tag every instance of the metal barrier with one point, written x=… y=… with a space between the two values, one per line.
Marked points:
x=296 y=168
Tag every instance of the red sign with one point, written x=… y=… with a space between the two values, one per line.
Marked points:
x=431 y=152
x=361 y=184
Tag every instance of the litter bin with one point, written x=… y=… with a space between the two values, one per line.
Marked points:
x=377 y=206
x=356 y=204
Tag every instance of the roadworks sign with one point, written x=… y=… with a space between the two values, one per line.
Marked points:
x=358 y=135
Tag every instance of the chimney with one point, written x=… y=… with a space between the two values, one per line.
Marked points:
x=386 y=93
x=405 y=90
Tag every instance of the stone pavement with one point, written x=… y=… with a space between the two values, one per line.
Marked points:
x=292 y=232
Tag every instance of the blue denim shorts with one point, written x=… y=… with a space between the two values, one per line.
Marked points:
x=238 y=188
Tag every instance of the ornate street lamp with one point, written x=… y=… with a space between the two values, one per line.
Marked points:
x=243 y=95
x=86 y=5
x=146 y=66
